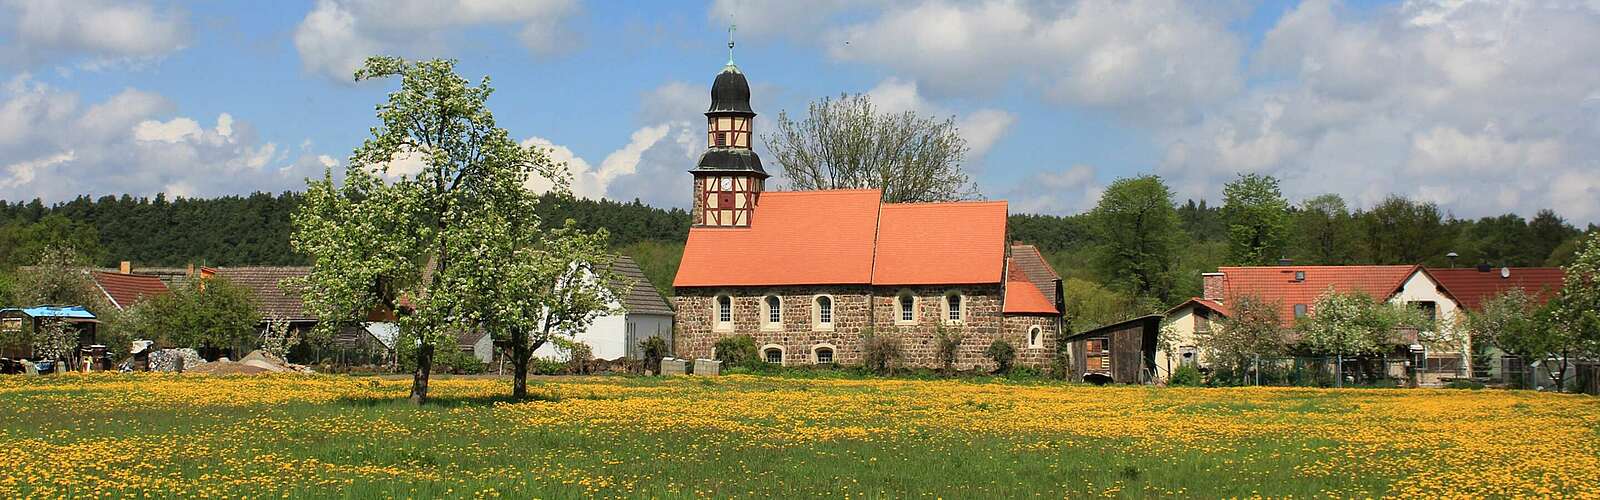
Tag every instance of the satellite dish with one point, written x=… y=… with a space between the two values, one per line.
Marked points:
x=1505 y=272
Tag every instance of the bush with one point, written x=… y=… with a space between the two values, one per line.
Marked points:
x=738 y=350
x=653 y=349
x=879 y=352
x=946 y=343
x=582 y=355
x=1464 y=384
x=1186 y=376
x=1003 y=354
x=546 y=366
x=1024 y=372
x=457 y=361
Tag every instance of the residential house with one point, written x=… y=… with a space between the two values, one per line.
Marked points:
x=1472 y=287
x=1295 y=289
x=641 y=313
x=809 y=274
x=123 y=289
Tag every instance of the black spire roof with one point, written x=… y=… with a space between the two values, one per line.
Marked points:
x=730 y=160
x=730 y=93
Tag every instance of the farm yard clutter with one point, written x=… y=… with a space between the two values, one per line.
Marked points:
x=744 y=436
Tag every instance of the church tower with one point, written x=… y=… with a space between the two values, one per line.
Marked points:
x=728 y=180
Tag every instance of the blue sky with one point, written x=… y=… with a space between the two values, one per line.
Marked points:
x=1483 y=107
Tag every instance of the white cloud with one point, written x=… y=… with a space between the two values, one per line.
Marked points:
x=52 y=148
x=1060 y=192
x=1483 y=107
x=1150 y=58
x=650 y=167
x=103 y=31
x=337 y=35
x=981 y=128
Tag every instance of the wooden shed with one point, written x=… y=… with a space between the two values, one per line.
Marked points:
x=1123 y=352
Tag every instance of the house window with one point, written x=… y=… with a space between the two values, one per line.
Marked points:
x=773 y=354
x=824 y=311
x=908 y=307
x=1299 y=310
x=1430 y=309
x=1188 y=356
x=1035 y=337
x=952 y=306
x=823 y=355
x=1299 y=275
x=1202 y=320
x=1096 y=356
x=774 y=312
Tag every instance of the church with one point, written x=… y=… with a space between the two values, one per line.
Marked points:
x=808 y=273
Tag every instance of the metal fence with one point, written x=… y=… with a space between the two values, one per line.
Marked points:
x=1376 y=371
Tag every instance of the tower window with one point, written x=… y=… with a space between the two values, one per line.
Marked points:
x=722 y=139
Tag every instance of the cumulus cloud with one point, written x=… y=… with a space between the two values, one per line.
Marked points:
x=53 y=147
x=102 y=31
x=337 y=35
x=981 y=128
x=1153 y=59
x=1060 y=192
x=1483 y=107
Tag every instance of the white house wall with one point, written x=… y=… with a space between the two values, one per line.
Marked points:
x=1418 y=288
x=607 y=337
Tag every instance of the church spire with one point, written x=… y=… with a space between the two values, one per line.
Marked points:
x=731 y=28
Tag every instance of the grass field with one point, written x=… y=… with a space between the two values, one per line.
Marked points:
x=329 y=436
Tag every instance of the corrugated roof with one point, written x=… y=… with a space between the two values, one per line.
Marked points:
x=1278 y=284
x=641 y=297
x=1471 y=287
x=70 y=312
x=941 y=243
x=263 y=282
x=125 y=290
x=794 y=238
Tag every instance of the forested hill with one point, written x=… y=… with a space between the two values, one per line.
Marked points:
x=254 y=230
x=245 y=230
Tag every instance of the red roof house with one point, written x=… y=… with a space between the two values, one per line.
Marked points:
x=126 y=289
x=1473 y=286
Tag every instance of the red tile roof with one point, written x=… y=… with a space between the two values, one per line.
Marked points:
x=1471 y=287
x=1024 y=296
x=941 y=243
x=849 y=237
x=125 y=290
x=1277 y=283
x=794 y=238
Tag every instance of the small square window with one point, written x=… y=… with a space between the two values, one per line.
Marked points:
x=1299 y=310
x=1299 y=275
x=824 y=355
x=774 y=355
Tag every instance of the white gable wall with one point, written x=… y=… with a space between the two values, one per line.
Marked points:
x=1420 y=288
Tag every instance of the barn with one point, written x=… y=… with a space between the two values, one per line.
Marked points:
x=1123 y=352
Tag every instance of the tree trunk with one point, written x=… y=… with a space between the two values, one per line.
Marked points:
x=519 y=363
x=419 y=379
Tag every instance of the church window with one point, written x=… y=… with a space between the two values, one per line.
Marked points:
x=908 y=307
x=824 y=311
x=822 y=354
x=772 y=354
x=774 y=312
x=952 y=307
x=725 y=310
x=1035 y=337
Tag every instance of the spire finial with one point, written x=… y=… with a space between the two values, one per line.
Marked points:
x=731 y=28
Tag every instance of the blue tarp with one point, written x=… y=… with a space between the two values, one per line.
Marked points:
x=74 y=312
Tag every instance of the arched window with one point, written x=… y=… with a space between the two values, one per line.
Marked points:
x=824 y=311
x=724 y=312
x=1035 y=337
x=907 y=308
x=772 y=354
x=822 y=354
x=772 y=306
x=952 y=307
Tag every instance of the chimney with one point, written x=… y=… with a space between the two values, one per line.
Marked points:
x=126 y=267
x=1212 y=286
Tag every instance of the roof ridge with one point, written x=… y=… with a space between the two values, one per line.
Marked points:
x=815 y=192
x=958 y=202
